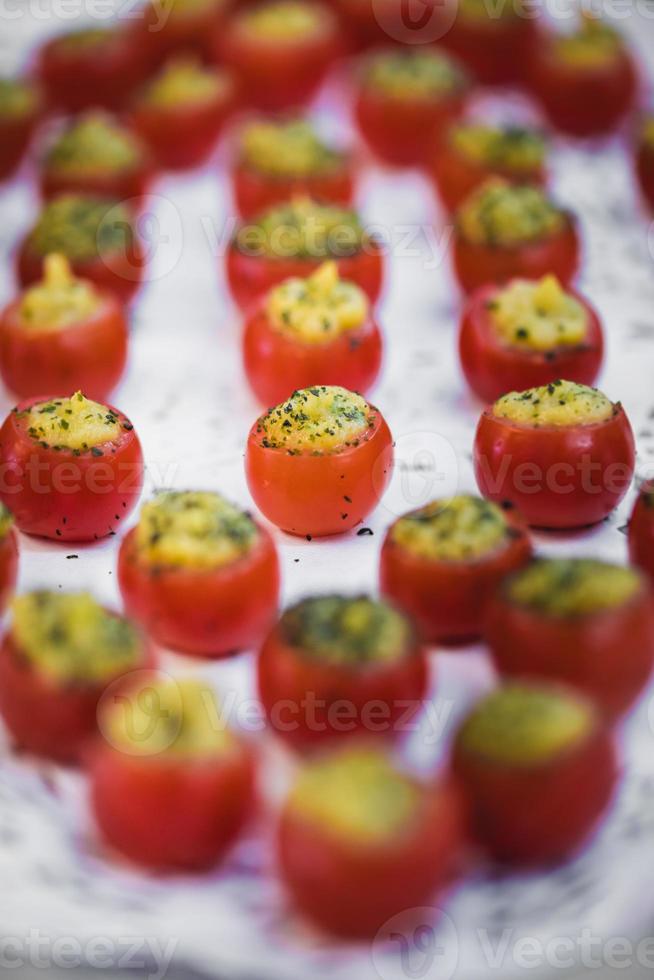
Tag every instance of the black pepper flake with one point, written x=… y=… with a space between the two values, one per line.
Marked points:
x=309 y=537
x=96 y=452
x=71 y=556
x=363 y=531
x=347 y=499
x=623 y=529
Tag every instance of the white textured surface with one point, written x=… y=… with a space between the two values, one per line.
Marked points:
x=186 y=396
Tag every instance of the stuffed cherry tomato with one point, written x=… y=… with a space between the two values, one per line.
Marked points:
x=504 y=231
x=279 y=160
x=539 y=767
x=587 y=81
x=495 y=43
x=293 y=240
x=563 y=454
x=641 y=529
x=96 y=155
x=406 y=98
x=199 y=574
x=645 y=160
x=72 y=468
x=337 y=666
x=320 y=462
x=8 y=556
x=96 y=235
x=170 y=27
x=441 y=564
x=60 y=653
x=368 y=23
x=63 y=334
x=317 y=330
x=182 y=111
x=582 y=622
x=170 y=790
x=473 y=152
x=90 y=68
x=280 y=51
x=527 y=334
x=20 y=107
x=360 y=842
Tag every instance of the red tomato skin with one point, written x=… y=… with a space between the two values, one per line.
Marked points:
x=56 y=722
x=118 y=272
x=171 y=815
x=640 y=535
x=181 y=138
x=252 y=276
x=583 y=103
x=478 y=265
x=128 y=186
x=255 y=192
x=455 y=177
x=305 y=494
x=288 y=677
x=161 y=36
x=448 y=600
x=497 y=51
x=492 y=369
x=351 y=889
x=645 y=173
x=88 y=356
x=609 y=656
x=207 y=613
x=275 y=364
x=9 y=552
x=401 y=132
x=110 y=75
x=541 y=814
x=529 y=467
x=62 y=496
x=276 y=76
x=15 y=136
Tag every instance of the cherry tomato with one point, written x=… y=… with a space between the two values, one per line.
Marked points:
x=252 y=276
x=535 y=796
x=309 y=492
x=641 y=529
x=583 y=99
x=276 y=364
x=255 y=192
x=88 y=355
x=492 y=367
x=313 y=690
x=606 y=651
x=168 y=28
x=496 y=49
x=96 y=67
x=68 y=495
x=368 y=23
x=447 y=598
x=558 y=476
x=645 y=163
x=51 y=716
x=352 y=877
x=8 y=557
x=168 y=801
x=204 y=612
x=17 y=122
x=282 y=71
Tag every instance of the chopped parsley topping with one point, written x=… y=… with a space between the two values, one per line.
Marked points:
x=350 y=631
x=94 y=144
x=324 y=419
x=509 y=148
x=559 y=403
x=414 y=74
x=538 y=315
x=59 y=300
x=521 y=725
x=508 y=215
x=74 y=423
x=193 y=529
x=82 y=227
x=318 y=309
x=185 y=82
x=304 y=229
x=284 y=21
x=572 y=586
x=286 y=148
x=17 y=98
x=461 y=528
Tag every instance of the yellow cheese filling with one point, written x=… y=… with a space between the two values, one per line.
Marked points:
x=481 y=10
x=559 y=403
x=59 y=299
x=523 y=725
x=185 y=82
x=317 y=309
x=348 y=631
x=414 y=74
x=70 y=638
x=324 y=419
x=283 y=21
x=510 y=148
x=178 y=719
x=17 y=98
x=6 y=521
x=290 y=148
x=96 y=144
x=648 y=132
x=303 y=229
x=573 y=586
x=593 y=46
x=462 y=528
x=193 y=529
x=357 y=795
x=537 y=315
x=75 y=423
x=82 y=227
x=180 y=9
x=508 y=215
